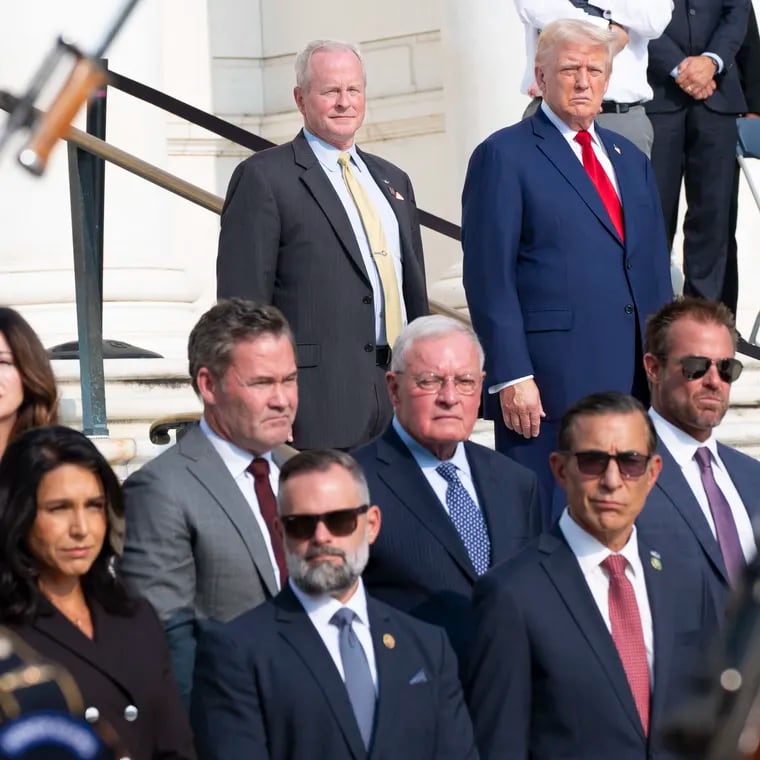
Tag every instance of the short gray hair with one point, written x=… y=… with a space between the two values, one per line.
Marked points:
x=570 y=30
x=321 y=460
x=433 y=326
x=303 y=59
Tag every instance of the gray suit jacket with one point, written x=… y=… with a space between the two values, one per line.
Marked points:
x=286 y=240
x=193 y=547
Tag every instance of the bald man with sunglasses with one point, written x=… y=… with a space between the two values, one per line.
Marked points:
x=708 y=494
x=323 y=670
x=590 y=637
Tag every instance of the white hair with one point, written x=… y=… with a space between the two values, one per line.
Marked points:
x=433 y=326
x=570 y=30
x=304 y=58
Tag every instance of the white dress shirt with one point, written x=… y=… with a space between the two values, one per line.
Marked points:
x=327 y=155
x=590 y=553
x=427 y=462
x=320 y=610
x=599 y=151
x=643 y=20
x=236 y=460
x=682 y=448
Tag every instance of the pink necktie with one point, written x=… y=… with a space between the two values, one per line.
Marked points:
x=628 y=634
x=601 y=181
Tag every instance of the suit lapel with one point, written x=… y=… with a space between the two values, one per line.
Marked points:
x=102 y=653
x=745 y=479
x=564 y=572
x=554 y=146
x=392 y=679
x=661 y=607
x=672 y=483
x=323 y=193
x=209 y=470
x=296 y=628
x=629 y=188
x=492 y=500
x=401 y=474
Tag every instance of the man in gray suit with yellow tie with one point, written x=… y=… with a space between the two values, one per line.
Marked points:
x=200 y=540
x=330 y=235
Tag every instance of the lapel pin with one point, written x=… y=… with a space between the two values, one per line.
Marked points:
x=616 y=149
x=389 y=641
x=392 y=190
x=655 y=561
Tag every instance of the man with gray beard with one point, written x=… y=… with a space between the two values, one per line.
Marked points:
x=324 y=670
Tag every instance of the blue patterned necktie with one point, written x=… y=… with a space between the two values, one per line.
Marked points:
x=356 y=672
x=467 y=518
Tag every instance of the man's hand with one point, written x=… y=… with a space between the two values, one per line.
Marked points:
x=621 y=37
x=521 y=408
x=695 y=74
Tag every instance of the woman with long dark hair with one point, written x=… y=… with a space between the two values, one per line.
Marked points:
x=61 y=591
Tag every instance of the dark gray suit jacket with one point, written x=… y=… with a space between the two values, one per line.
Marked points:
x=193 y=547
x=287 y=240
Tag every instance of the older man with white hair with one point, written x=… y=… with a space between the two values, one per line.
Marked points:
x=451 y=508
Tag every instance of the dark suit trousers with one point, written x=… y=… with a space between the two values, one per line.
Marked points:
x=698 y=145
x=730 y=293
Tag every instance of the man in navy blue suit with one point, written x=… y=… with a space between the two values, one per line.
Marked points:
x=564 y=252
x=428 y=556
x=690 y=364
x=323 y=670
x=589 y=637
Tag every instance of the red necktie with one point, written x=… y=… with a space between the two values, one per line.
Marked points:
x=601 y=181
x=628 y=634
x=259 y=468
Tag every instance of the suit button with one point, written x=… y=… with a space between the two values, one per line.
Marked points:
x=629 y=309
x=130 y=713
x=369 y=348
x=91 y=714
x=367 y=299
x=692 y=12
x=629 y=265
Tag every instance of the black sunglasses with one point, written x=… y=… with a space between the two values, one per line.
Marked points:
x=340 y=522
x=694 y=367
x=631 y=464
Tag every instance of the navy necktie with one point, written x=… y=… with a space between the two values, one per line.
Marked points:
x=725 y=527
x=356 y=672
x=467 y=518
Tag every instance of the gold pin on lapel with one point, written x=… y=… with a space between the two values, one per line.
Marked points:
x=655 y=561
x=389 y=641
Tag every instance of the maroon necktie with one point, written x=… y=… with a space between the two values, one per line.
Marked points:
x=725 y=527
x=259 y=468
x=601 y=181
x=628 y=634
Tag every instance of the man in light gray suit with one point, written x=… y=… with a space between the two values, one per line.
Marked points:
x=200 y=540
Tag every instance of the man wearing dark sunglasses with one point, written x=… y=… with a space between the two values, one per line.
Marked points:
x=451 y=508
x=589 y=637
x=324 y=670
x=708 y=494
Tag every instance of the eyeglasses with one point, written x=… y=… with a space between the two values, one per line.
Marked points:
x=340 y=522
x=429 y=382
x=631 y=464
x=694 y=367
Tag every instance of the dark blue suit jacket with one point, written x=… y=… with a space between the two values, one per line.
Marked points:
x=419 y=563
x=552 y=290
x=545 y=680
x=696 y=27
x=267 y=689
x=674 y=520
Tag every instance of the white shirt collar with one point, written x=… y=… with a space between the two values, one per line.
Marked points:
x=426 y=459
x=680 y=444
x=590 y=552
x=235 y=459
x=321 y=608
x=327 y=154
x=566 y=131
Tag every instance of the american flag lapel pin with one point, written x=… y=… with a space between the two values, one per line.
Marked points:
x=616 y=149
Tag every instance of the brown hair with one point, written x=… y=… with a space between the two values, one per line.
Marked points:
x=657 y=332
x=40 y=404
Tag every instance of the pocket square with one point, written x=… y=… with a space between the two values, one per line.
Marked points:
x=419 y=677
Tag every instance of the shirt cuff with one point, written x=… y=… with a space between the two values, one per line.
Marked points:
x=718 y=61
x=493 y=389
